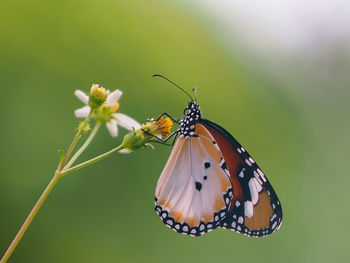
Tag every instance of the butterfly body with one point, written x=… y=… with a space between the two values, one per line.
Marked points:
x=211 y=181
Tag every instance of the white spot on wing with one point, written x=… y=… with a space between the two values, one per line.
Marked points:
x=274 y=225
x=248 y=209
x=241 y=174
x=261 y=174
x=253 y=191
x=257 y=185
x=257 y=177
x=273 y=217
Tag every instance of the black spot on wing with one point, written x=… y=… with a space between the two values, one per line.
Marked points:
x=224 y=166
x=198 y=186
x=206 y=165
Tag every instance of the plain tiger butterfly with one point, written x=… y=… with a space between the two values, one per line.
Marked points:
x=211 y=181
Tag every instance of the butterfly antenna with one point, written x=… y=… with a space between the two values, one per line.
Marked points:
x=158 y=75
x=195 y=93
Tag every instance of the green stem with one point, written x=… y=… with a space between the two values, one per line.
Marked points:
x=73 y=144
x=51 y=185
x=91 y=161
x=83 y=147
x=30 y=217
x=69 y=151
x=49 y=188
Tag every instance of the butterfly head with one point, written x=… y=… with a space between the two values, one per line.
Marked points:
x=192 y=115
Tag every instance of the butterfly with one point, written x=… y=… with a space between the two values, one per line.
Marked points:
x=210 y=181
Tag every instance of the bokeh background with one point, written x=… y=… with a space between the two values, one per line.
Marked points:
x=273 y=73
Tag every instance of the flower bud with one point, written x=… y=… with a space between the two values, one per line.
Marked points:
x=84 y=127
x=98 y=96
x=135 y=140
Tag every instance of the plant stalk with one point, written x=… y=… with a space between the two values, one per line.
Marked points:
x=73 y=144
x=83 y=147
x=30 y=217
x=91 y=161
x=49 y=188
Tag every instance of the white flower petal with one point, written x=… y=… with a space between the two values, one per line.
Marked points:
x=112 y=128
x=113 y=97
x=82 y=112
x=126 y=121
x=125 y=151
x=82 y=96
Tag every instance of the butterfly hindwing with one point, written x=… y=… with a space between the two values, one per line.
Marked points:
x=194 y=191
x=255 y=209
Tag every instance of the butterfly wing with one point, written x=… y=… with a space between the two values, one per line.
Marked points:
x=194 y=191
x=255 y=209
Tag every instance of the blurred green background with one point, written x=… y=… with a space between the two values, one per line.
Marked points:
x=295 y=125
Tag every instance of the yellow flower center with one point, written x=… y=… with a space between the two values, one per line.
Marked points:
x=164 y=126
x=160 y=127
x=98 y=92
x=98 y=96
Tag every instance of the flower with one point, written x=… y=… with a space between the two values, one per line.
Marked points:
x=160 y=127
x=148 y=132
x=104 y=105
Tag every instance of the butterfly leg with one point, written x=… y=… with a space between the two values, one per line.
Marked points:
x=166 y=114
x=172 y=135
x=165 y=142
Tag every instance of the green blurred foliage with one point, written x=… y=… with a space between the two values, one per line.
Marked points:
x=104 y=213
